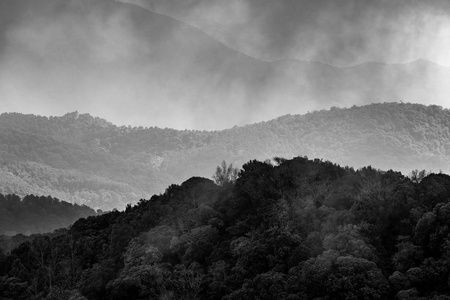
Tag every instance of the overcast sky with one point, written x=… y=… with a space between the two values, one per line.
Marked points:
x=133 y=67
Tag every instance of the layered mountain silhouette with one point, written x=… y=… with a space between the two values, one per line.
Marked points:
x=134 y=66
x=87 y=160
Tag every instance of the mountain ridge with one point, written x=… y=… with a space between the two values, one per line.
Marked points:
x=192 y=26
x=111 y=166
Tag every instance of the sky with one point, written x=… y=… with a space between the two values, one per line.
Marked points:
x=210 y=64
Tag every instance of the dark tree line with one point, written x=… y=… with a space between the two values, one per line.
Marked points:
x=38 y=214
x=288 y=229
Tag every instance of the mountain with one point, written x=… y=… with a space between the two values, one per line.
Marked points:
x=390 y=135
x=87 y=160
x=344 y=34
x=59 y=157
x=122 y=61
x=136 y=67
x=293 y=229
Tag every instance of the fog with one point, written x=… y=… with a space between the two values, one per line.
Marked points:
x=341 y=33
x=134 y=67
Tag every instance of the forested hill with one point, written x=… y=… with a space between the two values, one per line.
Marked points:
x=388 y=136
x=34 y=214
x=287 y=229
x=83 y=159
x=398 y=136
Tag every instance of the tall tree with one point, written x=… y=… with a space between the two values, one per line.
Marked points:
x=225 y=174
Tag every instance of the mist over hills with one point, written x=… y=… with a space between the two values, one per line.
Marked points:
x=133 y=66
x=148 y=66
x=311 y=102
x=344 y=33
x=87 y=160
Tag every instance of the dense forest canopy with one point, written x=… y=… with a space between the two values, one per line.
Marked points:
x=87 y=160
x=283 y=229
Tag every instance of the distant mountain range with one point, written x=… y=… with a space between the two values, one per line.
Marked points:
x=134 y=66
x=87 y=160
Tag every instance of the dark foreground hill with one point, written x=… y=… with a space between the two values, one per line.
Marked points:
x=87 y=160
x=291 y=229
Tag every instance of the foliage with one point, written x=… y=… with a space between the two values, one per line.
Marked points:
x=299 y=229
x=87 y=160
x=225 y=174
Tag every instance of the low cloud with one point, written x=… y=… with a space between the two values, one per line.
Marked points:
x=340 y=33
x=135 y=67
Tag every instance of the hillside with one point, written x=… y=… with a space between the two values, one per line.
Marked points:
x=44 y=156
x=34 y=214
x=87 y=160
x=389 y=135
x=59 y=56
x=401 y=136
x=288 y=229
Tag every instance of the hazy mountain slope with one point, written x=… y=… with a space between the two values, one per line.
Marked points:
x=389 y=135
x=133 y=66
x=345 y=33
x=74 y=186
x=87 y=160
x=122 y=61
x=49 y=158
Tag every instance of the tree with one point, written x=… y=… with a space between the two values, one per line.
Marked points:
x=225 y=174
x=417 y=176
